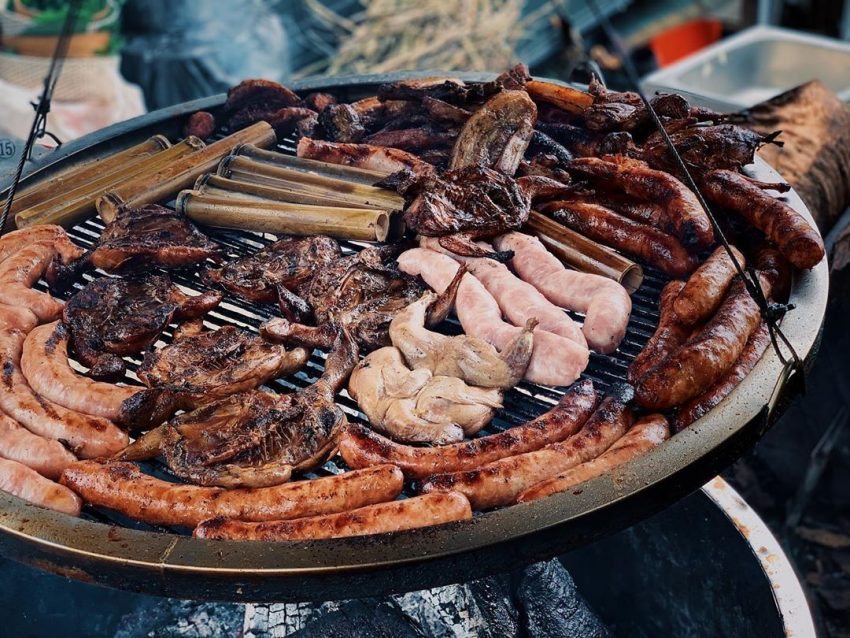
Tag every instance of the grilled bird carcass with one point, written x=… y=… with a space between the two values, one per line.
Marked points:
x=271 y=273
x=213 y=365
x=112 y=317
x=418 y=406
x=151 y=236
x=498 y=134
x=463 y=356
x=360 y=292
x=461 y=206
x=255 y=439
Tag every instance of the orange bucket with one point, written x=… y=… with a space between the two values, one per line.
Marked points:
x=680 y=41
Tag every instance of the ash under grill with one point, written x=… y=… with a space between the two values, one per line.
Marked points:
x=522 y=403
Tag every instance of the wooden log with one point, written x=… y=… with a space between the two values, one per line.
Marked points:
x=154 y=186
x=290 y=219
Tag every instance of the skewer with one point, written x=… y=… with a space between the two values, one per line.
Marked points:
x=291 y=219
x=69 y=207
x=165 y=183
x=86 y=172
x=581 y=253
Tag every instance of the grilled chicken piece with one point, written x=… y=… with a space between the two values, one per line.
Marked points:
x=360 y=292
x=151 y=236
x=213 y=365
x=453 y=90
x=468 y=358
x=461 y=206
x=341 y=123
x=254 y=100
x=112 y=317
x=498 y=134
x=277 y=269
x=255 y=439
x=417 y=406
x=375 y=158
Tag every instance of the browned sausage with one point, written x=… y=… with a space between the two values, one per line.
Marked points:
x=601 y=224
x=124 y=488
x=361 y=447
x=682 y=209
x=89 y=436
x=17 y=318
x=45 y=456
x=31 y=486
x=669 y=334
x=704 y=291
x=19 y=273
x=777 y=269
x=500 y=482
x=700 y=406
x=645 y=434
x=793 y=235
x=706 y=356
x=382 y=518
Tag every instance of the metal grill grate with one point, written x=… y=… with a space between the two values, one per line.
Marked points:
x=520 y=404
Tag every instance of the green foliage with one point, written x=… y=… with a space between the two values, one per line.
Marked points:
x=52 y=14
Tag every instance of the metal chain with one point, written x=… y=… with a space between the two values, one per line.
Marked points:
x=42 y=107
x=771 y=312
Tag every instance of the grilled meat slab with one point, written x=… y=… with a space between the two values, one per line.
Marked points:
x=255 y=439
x=112 y=317
x=280 y=267
x=151 y=236
x=213 y=365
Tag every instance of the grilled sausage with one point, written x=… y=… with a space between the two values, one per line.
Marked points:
x=500 y=482
x=382 y=518
x=669 y=334
x=699 y=406
x=601 y=224
x=706 y=356
x=17 y=318
x=124 y=488
x=606 y=305
x=646 y=434
x=12 y=242
x=45 y=365
x=777 y=269
x=704 y=291
x=45 y=456
x=19 y=273
x=31 y=486
x=793 y=235
x=89 y=436
x=361 y=447
x=683 y=212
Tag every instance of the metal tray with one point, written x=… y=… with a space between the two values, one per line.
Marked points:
x=755 y=65
x=177 y=565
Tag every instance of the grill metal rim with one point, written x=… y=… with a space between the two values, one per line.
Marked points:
x=490 y=542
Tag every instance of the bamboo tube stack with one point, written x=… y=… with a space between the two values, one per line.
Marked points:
x=259 y=190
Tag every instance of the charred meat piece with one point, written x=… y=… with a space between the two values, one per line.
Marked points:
x=375 y=158
x=213 y=365
x=151 y=236
x=706 y=147
x=254 y=100
x=543 y=144
x=318 y=101
x=341 y=123
x=413 y=139
x=498 y=134
x=462 y=205
x=449 y=90
x=361 y=292
x=111 y=317
x=440 y=111
x=583 y=143
x=200 y=124
x=255 y=439
x=277 y=269
x=293 y=119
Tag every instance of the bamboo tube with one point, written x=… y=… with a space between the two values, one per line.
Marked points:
x=247 y=170
x=581 y=253
x=290 y=219
x=165 y=183
x=564 y=97
x=218 y=186
x=339 y=171
x=68 y=207
x=86 y=172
